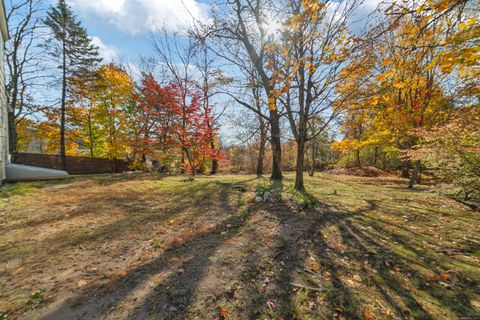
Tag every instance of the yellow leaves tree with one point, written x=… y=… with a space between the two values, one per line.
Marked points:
x=41 y=136
x=459 y=35
x=398 y=88
x=113 y=93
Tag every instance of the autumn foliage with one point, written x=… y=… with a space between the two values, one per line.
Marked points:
x=394 y=95
x=177 y=120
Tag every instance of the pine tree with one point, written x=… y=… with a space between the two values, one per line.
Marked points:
x=78 y=57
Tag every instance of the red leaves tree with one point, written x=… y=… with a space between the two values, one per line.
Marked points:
x=178 y=118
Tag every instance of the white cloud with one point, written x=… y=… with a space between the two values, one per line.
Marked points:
x=107 y=53
x=138 y=16
x=372 y=4
x=133 y=70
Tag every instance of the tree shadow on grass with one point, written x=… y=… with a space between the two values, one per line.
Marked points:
x=383 y=272
x=454 y=297
x=295 y=240
x=274 y=297
x=79 y=208
x=397 y=276
x=162 y=287
x=273 y=274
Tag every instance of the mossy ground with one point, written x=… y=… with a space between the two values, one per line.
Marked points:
x=159 y=247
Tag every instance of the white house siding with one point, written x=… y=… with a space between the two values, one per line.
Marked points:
x=3 y=97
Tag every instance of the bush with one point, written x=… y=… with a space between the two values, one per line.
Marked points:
x=453 y=151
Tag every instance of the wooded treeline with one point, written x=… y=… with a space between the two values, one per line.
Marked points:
x=302 y=83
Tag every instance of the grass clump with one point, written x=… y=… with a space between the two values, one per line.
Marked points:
x=304 y=197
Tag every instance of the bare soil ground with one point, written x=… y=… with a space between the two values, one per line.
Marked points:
x=145 y=247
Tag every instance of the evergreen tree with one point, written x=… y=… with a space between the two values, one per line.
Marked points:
x=78 y=57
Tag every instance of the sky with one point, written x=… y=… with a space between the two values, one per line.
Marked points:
x=121 y=28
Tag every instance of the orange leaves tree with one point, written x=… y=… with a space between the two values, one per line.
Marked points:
x=178 y=119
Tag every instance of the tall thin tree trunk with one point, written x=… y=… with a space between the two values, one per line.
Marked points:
x=90 y=135
x=62 y=108
x=276 y=146
x=12 y=133
x=357 y=154
x=214 y=163
x=263 y=133
x=12 y=124
x=375 y=156
x=261 y=150
x=416 y=170
x=313 y=160
x=419 y=175
x=299 y=185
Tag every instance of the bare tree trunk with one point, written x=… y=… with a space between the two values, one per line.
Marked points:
x=90 y=135
x=214 y=167
x=357 y=154
x=62 y=108
x=12 y=133
x=261 y=150
x=22 y=21
x=263 y=134
x=375 y=156
x=405 y=173
x=416 y=170
x=313 y=160
x=214 y=161
x=419 y=175
x=276 y=146
x=299 y=185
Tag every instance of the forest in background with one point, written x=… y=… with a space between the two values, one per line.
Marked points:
x=296 y=86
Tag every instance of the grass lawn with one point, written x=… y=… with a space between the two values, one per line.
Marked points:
x=145 y=247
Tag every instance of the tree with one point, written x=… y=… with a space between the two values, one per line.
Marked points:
x=319 y=146
x=113 y=95
x=252 y=128
x=41 y=136
x=246 y=23
x=77 y=58
x=22 y=63
x=262 y=124
x=83 y=114
x=180 y=120
x=316 y=45
x=400 y=86
x=211 y=80
x=176 y=64
x=453 y=150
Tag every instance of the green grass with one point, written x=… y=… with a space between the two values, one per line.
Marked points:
x=347 y=248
